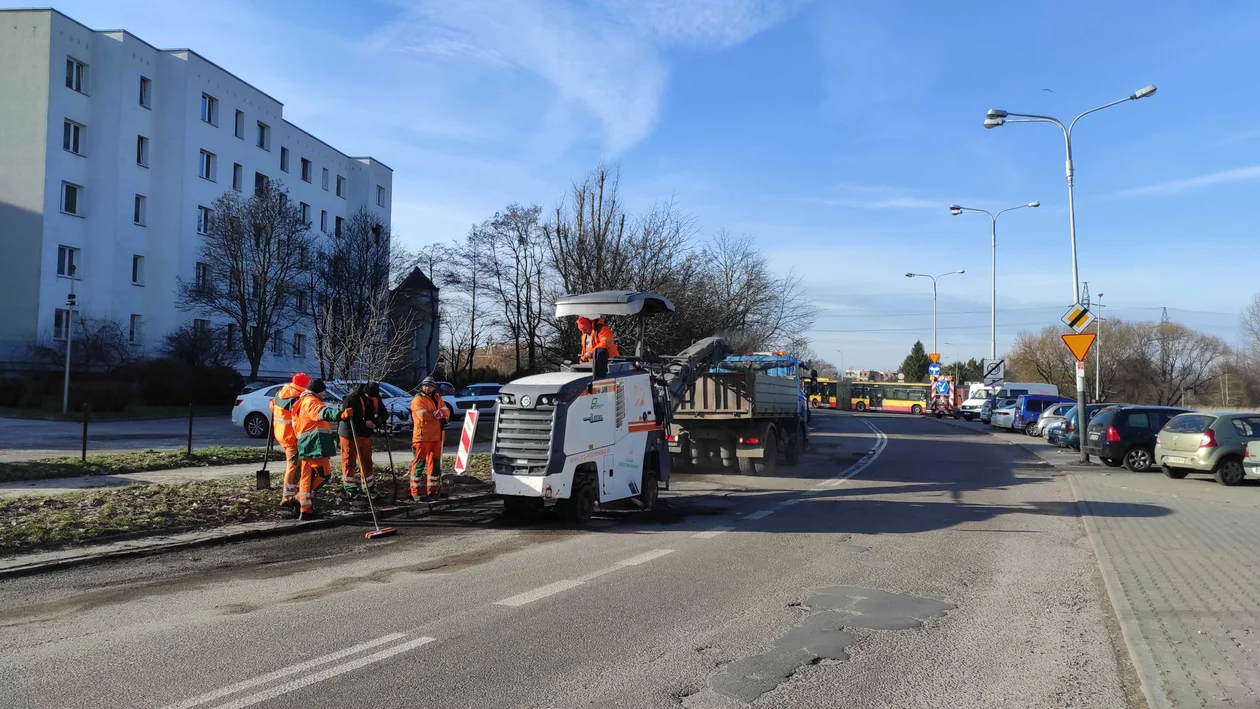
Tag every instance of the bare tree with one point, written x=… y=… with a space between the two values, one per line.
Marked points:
x=468 y=326
x=369 y=348
x=251 y=265
x=1251 y=323
x=98 y=344
x=513 y=261
x=198 y=347
x=1180 y=360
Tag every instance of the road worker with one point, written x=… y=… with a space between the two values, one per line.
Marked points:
x=312 y=421
x=595 y=336
x=367 y=414
x=282 y=429
x=428 y=417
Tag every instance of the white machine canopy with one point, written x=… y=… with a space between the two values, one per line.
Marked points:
x=613 y=303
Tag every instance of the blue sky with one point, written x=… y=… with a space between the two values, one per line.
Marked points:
x=835 y=133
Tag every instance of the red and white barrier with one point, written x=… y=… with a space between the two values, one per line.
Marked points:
x=466 y=440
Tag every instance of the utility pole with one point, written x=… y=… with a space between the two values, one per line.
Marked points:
x=70 y=305
x=1164 y=374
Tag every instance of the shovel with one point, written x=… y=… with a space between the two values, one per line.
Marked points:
x=262 y=478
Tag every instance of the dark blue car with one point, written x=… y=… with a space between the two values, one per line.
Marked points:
x=1028 y=408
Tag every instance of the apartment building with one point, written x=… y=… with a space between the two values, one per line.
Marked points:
x=113 y=153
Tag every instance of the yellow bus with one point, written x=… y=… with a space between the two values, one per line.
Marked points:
x=820 y=392
x=903 y=397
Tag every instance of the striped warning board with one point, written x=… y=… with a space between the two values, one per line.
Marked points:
x=1078 y=318
x=466 y=438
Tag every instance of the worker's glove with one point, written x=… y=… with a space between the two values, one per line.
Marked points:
x=441 y=413
x=346 y=414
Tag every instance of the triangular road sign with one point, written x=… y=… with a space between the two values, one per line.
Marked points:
x=1080 y=344
x=934 y=357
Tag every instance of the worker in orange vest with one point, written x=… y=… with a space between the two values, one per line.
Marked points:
x=428 y=416
x=595 y=336
x=312 y=421
x=282 y=429
x=367 y=415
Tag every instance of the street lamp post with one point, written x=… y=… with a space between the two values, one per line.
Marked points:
x=1098 y=353
x=997 y=117
x=842 y=370
x=934 y=279
x=956 y=210
x=70 y=304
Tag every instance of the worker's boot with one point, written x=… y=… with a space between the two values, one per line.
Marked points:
x=290 y=508
x=307 y=516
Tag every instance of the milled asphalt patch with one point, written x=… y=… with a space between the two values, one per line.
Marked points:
x=822 y=636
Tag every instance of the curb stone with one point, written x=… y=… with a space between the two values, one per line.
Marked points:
x=28 y=564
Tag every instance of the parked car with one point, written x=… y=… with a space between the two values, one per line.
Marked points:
x=1053 y=431
x=484 y=396
x=255 y=386
x=1053 y=413
x=252 y=410
x=1029 y=407
x=1125 y=435
x=991 y=405
x=1071 y=437
x=1004 y=417
x=1251 y=461
x=1207 y=443
x=397 y=402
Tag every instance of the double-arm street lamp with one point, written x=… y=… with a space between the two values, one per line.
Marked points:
x=956 y=210
x=934 y=279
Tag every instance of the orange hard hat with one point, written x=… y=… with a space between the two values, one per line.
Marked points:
x=583 y=322
x=301 y=380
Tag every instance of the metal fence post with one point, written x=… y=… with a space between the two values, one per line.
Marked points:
x=83 y=454
x=188 y=453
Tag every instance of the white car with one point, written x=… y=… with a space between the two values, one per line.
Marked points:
x=253 y=410
x=484 y=396
x=1003 y=418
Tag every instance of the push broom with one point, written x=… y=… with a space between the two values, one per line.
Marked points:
x=371 y=506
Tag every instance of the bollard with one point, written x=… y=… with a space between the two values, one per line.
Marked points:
x=188 y=453
x=83 y=455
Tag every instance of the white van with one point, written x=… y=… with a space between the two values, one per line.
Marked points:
x=979 y=394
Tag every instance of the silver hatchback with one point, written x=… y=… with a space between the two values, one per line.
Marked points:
x=1202 y=442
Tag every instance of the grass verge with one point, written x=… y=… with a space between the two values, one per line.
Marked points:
x=31 y=523
x=134 y=462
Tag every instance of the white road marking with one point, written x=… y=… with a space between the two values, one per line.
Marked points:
x=596 y=574
x=788 y=503
x=760 y=514
x=322 y=675
x=645 y=557
x=881 y=442
x=541 y=592
x=284 y=672
x=711 y=533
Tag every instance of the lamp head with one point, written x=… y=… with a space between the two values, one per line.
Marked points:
x=1034 y=204
x=993 y=122
x=963 y=271
x=995 y=113
x=909 y=275
x=1143 y=92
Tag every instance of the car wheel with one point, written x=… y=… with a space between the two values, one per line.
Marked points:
x=1138 y=459
x=1229 y=472
x=1174 y=473
x=916 y=409
x=1112 y=462
x=256 y=425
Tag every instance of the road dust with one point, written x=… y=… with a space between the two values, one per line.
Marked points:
x=823 y=636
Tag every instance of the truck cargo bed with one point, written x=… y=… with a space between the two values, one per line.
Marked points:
x=740 y=396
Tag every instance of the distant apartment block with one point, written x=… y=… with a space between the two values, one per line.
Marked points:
x=113 y=152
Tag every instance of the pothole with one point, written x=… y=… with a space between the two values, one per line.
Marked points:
x=822 y=638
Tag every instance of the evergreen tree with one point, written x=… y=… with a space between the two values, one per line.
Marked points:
x=915 y=365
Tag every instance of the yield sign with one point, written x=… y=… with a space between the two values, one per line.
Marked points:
x=1079 y=344
x=935 y=357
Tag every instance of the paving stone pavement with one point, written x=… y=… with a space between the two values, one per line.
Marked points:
x=1186 y=584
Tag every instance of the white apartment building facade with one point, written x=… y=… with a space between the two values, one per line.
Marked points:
x=112 y=151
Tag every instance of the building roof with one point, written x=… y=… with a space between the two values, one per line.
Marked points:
x=417 y=281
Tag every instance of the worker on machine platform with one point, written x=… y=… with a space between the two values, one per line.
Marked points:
x=595 y=336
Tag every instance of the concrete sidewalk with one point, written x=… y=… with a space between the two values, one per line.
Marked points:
x=59 y=486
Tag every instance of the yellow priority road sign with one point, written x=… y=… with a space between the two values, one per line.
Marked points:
x=1078 y=318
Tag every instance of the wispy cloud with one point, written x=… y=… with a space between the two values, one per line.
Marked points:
x=605 y=57
x=875 y=197
x=1239 y=174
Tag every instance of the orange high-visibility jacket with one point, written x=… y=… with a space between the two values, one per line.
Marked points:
x=312 y=422
x=282 y=415
x=600 y=337
x=425 y=425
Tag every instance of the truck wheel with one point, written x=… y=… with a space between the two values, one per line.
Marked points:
x=768 y=462
x=579 y=508
x=650 y=492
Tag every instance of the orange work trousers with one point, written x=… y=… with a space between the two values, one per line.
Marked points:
x=430 y=453
x=315 y=472
x=351 y=459
x=292 y=472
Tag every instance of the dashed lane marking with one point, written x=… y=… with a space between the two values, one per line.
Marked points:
x=541 y=592
x=645 y=557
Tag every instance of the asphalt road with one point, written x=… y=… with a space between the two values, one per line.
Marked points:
x=905 y=563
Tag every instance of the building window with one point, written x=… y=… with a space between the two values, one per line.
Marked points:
x=72 y=137
x=337 y=230
x=380 y=196
x=231 y=337
x=300 y=302
x=139 y=213
x=76 y=75
x=202 y=277
x=133 y=332
x=306 y=212
x=284 y=159
x=206 y=167
x=146 y=92
x=323 y=221
x=306 y=170
x=341 y=186
x=61 y=323
x=324 y=178
x=72 y=199
x=137 y=270
x=238 y=176
x=260 y=182
x=299 y=344
x=240 y=125
x=142 y=151
x=67 y=261
x=277 y=343
x=264 y=136
x=203 y=220
x=210 y=109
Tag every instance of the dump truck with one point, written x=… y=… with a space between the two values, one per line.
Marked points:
x=742 y=414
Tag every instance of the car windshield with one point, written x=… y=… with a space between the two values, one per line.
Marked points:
x=981 y=395
x=391 y=391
